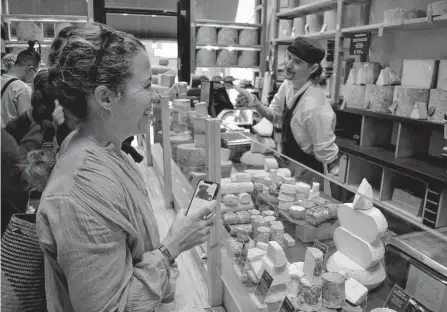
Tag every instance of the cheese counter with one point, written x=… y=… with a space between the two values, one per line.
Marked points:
x=291 y=236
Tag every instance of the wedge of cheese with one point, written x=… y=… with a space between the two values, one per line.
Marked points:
x=264 y=128
x=370 y=278
x=276 y=254
x=406 y=98
x=361 y=252
x=313 y=264
x=355 y=292
x=253 y=159
x=255 y=254
x=363 y=199
x=369 y=225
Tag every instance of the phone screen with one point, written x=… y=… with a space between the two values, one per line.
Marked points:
x=204 y=193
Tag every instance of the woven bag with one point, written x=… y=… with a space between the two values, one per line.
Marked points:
x=22 y=264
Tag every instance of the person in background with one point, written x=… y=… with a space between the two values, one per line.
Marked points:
x=95 y=224
x=16 y=94
x=300 y=105
x=8 y=62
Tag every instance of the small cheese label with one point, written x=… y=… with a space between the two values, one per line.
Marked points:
x=323 y=248
x=287 y=306
x=398 y=299
x=263 y=287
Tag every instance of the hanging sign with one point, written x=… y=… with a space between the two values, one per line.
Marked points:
x=360 y=43
x=397 y=300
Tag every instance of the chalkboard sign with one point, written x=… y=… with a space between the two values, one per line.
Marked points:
x=360 y=43
x=398 y=299
x=416 y=306
x=263 y=287
x=227 y=227
x=322 y=247
x=286 y=306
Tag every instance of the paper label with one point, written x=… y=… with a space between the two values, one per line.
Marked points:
x=227 y=227
x=398 y=299
x=287 y=306
x=263 y=287
x=242 y=259
x=360 y=43
x=322 y=247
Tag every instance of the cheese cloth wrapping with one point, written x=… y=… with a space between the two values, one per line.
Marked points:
x=99 y=234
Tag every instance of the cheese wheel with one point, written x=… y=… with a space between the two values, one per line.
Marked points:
x=234 y=246
x=289 y=189
x=267 y=213
x=248 y=59
x=269 y=220
x=289 y=181
x=370 y=278
x=248 y=37
x=244 y=198
x=286 y=198
x=350 y=308
x=251 y=159
x=206 y=35
x=226 y=166
x=227 y=36
x=369 y=225
x=254 y=212
x=240 y=177
x=205 y=57
x=230 y=200
x=29 y=31
x=189 y=154
x=230 y=218
x=262 y=234
x=309 y=295
x=226 y=58
x=236 y=188
x=363 y=253
x=283 y=205
x=333 y=292
x=297 y=212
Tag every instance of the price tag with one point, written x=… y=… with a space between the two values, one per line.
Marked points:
x=287 y=306
x=323 y=248
x=263 y=287
x=242 y=259
x=227 y=227
x=360 y=43
x=416 y=306
x=397 y=299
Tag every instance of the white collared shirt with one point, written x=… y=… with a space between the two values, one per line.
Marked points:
x=313 y=121
x=15 y=100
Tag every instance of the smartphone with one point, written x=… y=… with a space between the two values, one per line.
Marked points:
x=205 y=192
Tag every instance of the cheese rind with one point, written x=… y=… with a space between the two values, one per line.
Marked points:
x=355 y=292
x=276 y=254
x=303 y=188
x=369 y=225
x=253 y=159
x=406 y=98
x=363 y=199
x=313 y=264
x=240 y=177
x=255 y=254
x=419 y=73
x=297 y=212
x=333 y=292
x=289 y=240
x=309 y=295
x=264 y=128
x=363 y=253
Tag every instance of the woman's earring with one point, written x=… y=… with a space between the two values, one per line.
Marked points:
x=108 y=116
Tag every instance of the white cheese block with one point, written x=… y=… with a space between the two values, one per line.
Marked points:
x=289 y=240
x=253 y=159
x=295 y=270
x=226 y=58
x=289 y=181
x=303 y=188
x=262 y=245
x=309 y=295
x=355 y=292
x=363 y=199
x=437 y=105
x=227 y=36
x=255 y=254
x=230 y=200
x=313 y=264
x=279 y=275
x=248 y=37
x=284 y=172
x=387 y=78
x=351 y=308
x=354 y=96
x=276 y=254
x=368 y=73
x=236 y=188
x=438 y=8
x=369 y=225
x=244 y=198
x=363 y=253
x=399 y=15
x=379 y=98
x=268 y=145
x=333 y=292
x=226 y=166
x=206 y=35
x=264 y=128
x=248 y=59
x=419 y=73
x=369 y=278
x=442 y=75
x=240 y=177
x=405 y=99
x=270 y=163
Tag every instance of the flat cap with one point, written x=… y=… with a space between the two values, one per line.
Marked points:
x=306 y=49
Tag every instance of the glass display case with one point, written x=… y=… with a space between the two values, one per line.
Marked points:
x=285 y=230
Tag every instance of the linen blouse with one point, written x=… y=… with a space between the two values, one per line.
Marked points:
x=99 y=235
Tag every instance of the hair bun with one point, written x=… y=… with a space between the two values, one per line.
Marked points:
x=31 y=45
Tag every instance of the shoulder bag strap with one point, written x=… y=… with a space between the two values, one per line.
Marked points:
x=7 y=84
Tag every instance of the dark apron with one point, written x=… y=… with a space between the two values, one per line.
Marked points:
x=290 y=147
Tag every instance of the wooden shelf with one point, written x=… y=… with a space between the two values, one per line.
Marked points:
x=237 y=47
x=409 y=166
x=302 y=10
x=431 y=124
x=20 y=44
x=44 y=18
x=417 y=23
x=317 y=36
x=226 y=24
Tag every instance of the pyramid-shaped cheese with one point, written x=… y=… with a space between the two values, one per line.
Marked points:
x=313 y=264
x=364 y=197
x=255 y=254
x=369 y=225
x=276 y=254
x=264 y=128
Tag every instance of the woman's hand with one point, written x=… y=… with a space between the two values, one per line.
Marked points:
x=189 y=231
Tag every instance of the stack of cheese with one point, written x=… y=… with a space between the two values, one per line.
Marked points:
x=310 y=285
x=360 y=75
x=287 y=196
x=241 y=230
x=358 y=240
x=437 y=106
x=227 y=36
x=379 y=96
x=263 y=145
x=236 y=192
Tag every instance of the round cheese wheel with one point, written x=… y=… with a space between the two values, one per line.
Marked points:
x=309 y=295
x=206 y=35
x=333 y=290
x=297 y=212
x=29 y=31
x=284 y=197
x=226 y=58
x=269 y=220
x=205 y=57
x=370 y=278
x=248 y=59
x=189 y=154
x=248 y=37
x=267 y=213
x=225 y=168
x=227 y=36
x=244 y=198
